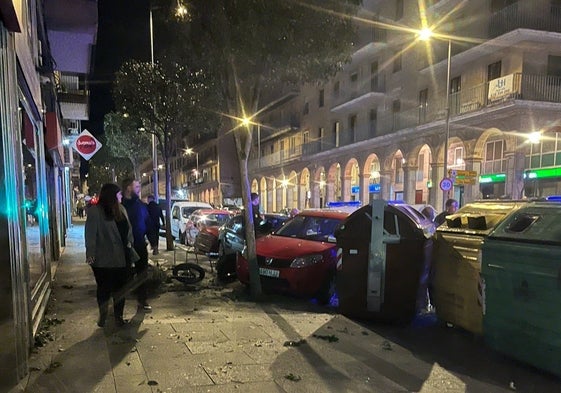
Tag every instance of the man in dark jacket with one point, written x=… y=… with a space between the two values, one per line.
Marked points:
x=140 y=223
x=156 y=216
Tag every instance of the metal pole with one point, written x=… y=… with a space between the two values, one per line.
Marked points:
x=154 y=147
x=447 y=136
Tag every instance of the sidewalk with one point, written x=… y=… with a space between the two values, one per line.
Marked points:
x=217 y=340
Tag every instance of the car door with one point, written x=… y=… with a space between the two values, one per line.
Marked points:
x=175 y=218
x=234 y=236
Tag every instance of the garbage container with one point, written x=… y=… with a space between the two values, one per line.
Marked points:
x=384 y=252
x=521 y=269
x=455 y=286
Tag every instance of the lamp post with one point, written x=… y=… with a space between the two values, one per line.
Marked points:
x=154 y=147
x=190 y=151
x=424 y=35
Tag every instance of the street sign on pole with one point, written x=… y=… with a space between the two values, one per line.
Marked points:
x=446 y=184
x=86 y=145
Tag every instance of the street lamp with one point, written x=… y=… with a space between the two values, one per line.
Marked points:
x=424 y=35
x=154 y=147
x=188 y=152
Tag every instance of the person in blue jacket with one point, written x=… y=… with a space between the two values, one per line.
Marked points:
x=141 y=223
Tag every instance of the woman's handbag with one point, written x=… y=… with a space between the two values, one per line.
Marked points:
x=132 y=255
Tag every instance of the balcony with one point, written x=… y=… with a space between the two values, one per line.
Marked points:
x=540 y=88
x=369 y=93
x=74 y=99
x=526 y=15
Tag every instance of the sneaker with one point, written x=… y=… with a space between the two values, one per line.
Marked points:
x=145 y=307
x=119 y=321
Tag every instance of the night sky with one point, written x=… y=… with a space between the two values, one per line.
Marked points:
x=123 y=33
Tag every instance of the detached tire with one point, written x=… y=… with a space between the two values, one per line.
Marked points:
x=188 y=273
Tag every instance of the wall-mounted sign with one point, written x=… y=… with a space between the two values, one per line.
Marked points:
x=374 y=188
x=501 y=88
x=86 y=145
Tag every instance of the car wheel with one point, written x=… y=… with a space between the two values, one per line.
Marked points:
x=188 y=273
x=327 y=289
x=226 y=268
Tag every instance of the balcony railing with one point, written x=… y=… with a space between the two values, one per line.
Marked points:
x=542 y=88
x=526 y=15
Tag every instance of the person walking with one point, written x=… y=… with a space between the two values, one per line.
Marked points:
x=450 y=207
x=157 y=218
x=108 y=234
x=140 y=222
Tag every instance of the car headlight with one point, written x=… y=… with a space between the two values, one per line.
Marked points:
x=308 y=260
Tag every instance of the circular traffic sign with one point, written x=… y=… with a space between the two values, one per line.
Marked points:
x=86 y=144
x=446 y=184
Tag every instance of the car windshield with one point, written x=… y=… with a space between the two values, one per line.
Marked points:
x=309 y=228
x=186 y=211
x=215 y=219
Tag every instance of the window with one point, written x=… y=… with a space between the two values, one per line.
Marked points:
x=374 y=76
x=554 y=65
x=421 y=167
x=306 y=107
x=373 y=120
x=493 y=71
x=321 y=102
x=455 y=85
x=397 y=61
x=396 y=108
x=352 y=128
x=305 y=137
x=336 y=88
x=336 y=134
x=354 y=77
x=547 y=153
x=398 y=163
x=494 y=161
x=398 y=9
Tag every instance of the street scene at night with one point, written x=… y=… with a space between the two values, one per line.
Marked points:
x=280 y=196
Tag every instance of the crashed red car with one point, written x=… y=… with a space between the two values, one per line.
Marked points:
x=300 y=257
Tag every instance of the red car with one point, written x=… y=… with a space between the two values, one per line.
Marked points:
x=204 y=218
x=300 y=258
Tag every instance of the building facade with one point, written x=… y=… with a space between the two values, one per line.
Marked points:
x=36 y=162
x=379 y=128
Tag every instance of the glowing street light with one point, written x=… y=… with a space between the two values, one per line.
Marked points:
x=188 y=151
x=425 y=34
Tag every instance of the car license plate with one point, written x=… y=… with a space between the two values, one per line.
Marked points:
x=269 y=272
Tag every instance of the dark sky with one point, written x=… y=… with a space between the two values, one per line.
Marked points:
x=123 y=33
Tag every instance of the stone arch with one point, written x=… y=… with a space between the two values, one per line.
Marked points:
x=263 y=194
x=371 y=177
x=319 y=188
x=334 y=183
x=292 y=190
x=305 y=191
x=351 y=177
x=255 y=186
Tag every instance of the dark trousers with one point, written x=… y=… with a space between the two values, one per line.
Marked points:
x=141 y=272
x=111 y=283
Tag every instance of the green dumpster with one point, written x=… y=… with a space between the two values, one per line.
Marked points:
x=521 y=269
x=456 y=290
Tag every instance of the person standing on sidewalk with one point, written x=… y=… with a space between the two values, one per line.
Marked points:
x=107 y=234
x=156 y=216
x=140 y=222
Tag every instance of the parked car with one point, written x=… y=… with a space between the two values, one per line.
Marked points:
x=201 y=219
x=300 y=257
x=231 y=240
x=206 y=239
x=180 y=212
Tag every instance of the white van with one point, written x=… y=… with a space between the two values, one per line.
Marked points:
x=180 y=212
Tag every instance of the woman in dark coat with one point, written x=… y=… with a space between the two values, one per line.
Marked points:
x=108 y=234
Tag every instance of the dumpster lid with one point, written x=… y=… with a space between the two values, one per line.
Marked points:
x=479 y=217
x=537 y=222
